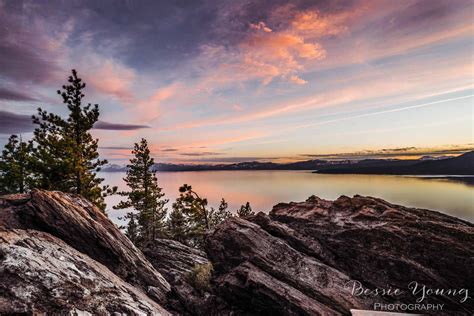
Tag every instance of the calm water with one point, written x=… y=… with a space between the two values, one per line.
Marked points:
x=263 y=189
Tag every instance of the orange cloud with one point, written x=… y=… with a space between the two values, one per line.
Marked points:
x=260 y=26
x=267 y=52
x=297 y=80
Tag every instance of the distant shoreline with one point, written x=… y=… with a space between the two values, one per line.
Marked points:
x=460 y=165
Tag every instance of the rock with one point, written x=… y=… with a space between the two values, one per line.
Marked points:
x=40 y=273
x=84 y=227
x=173 y=259
x=59 y=254
x=304 y=258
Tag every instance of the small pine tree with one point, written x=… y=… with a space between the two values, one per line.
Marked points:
x=132 y=229
x=15 y=166
x=66 y=156
x=145 y=196
x=219 y=215
x=196 y=214
x=245 y=210
x=177 y=228
x=198 y=218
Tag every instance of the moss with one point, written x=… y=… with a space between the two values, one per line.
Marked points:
x=200 y=276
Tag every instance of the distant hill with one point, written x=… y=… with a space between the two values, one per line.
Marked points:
x=461 y=165
x=251 y=165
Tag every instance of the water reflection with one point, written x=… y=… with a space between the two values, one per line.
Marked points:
x=263 y=189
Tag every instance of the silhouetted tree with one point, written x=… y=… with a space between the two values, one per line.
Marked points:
x=198 y=218
x=218 y=216
x=145 y=196
x=15 y=166
x=245 y=210
x=177 y=227
x=66 y=156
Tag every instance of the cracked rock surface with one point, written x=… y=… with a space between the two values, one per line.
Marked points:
x=40 y=273
x=304 y=258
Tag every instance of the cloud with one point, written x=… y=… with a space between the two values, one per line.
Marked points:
x=11 y=123
x=116 y=147
x=12 y=95
x=260 y=26
x=297 y=80
x=117 y=126
x=204 y=153
x=403 y=152
x=148 y=108
x=262 y=54
x=27 y=54
x=277 y=54
x=169 y=149
x=109 y=77
x=232 y=159
x=313 y=24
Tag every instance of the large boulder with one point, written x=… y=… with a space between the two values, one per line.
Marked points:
x=307 y=258
x=40 y=273
x=179 y=264
x=173 y=259
x=84 y=227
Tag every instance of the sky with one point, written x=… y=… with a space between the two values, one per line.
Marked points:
x=230 y=81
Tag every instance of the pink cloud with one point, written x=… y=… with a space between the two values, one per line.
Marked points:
x=268 y=53
x=260 y=26
x=366 y=88
x=297 y=80
x=111 y=78
x=149 y=107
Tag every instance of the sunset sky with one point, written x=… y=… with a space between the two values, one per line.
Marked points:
x=229 y=81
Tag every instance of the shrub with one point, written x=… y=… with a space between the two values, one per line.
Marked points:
x=200 y=276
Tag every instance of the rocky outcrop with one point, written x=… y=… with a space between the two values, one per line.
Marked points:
x=84 y=227
x=177 y=263
x=304 y=258
x=59 y=254
x=40 y=273
x=89 y=243
x=173 y=259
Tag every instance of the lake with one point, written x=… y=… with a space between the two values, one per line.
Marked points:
x=263 y=189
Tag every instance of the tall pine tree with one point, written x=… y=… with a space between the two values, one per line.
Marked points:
x=15 y=166
x=145 y=196
x=66 y=156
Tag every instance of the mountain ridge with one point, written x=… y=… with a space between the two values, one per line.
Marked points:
x=460 y=165
x=424 y=166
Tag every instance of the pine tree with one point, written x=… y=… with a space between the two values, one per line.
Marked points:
x=177 y=228
x=145 y=197
x=219 y=215
x=132 y=229
x=15 y=166
x=66 y=156
x=245 y=210
x=198 y=219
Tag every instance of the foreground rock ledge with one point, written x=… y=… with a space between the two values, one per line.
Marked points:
x=85 y=230
x=40 y=273
x=59 y=254
x=298 y=259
